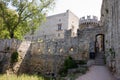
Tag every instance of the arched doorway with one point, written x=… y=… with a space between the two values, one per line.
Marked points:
x=99 y=43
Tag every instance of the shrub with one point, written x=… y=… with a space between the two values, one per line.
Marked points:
x=14 y=57
x=112 y=52
x=82 y=62
x=69 y=63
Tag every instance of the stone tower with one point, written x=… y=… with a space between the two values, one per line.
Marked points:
x=89 y=22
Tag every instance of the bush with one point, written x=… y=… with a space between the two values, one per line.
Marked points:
x=82 y=62
x=69 y=63
x=14 y=57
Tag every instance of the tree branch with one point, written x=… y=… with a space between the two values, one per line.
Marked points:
x=3 y=17
x=21 y=10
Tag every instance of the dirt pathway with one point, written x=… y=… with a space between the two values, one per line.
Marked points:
x=97 y=73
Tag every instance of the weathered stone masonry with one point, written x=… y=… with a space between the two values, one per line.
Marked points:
x=47 y=55
x=44 y=54
x=110 y=19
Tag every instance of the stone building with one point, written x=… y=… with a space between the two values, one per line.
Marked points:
x=55 y=26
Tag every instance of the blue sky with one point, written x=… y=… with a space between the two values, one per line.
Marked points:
x=78 y=7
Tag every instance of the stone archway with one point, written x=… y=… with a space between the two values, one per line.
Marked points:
x=99 y=43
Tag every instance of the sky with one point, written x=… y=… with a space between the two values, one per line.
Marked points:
x=79 y=7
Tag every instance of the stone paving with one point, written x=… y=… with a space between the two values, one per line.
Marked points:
x=97 y=73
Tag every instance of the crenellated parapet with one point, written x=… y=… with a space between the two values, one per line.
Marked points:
x=89 y=20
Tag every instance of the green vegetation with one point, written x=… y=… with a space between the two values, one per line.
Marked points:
x=14 y=57
x=25 y=16
x=69 y=63
x=104 y=58
x=71 y=70
x=21 y=77
x=112 y=52
x=82 y=62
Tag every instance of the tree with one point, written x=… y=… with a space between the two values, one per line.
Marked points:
x=26 y=16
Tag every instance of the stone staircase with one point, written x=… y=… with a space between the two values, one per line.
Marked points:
x=24 y=47
x=99 y=60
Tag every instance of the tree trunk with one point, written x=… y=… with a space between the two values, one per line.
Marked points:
x=11 y=35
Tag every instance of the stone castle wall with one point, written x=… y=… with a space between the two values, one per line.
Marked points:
x=110 y=20
x=47 y=55
x=36 y=56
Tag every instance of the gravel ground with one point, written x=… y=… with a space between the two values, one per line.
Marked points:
x=97 y=73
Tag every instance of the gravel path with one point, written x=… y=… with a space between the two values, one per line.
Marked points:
x=97 y=73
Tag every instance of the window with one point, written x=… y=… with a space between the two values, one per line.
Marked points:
x=59 y=27
x=106 y=11
x=61 y=50
x=58 y=34
x=59 y=19
x=49 y=50
x=71 y=49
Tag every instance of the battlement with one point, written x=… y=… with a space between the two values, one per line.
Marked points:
x=89 y=20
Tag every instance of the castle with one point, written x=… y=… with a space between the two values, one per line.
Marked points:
x=56 y=25
x=65 y=34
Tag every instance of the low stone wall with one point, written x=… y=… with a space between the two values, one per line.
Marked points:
x=7 y=47
x=41 y=56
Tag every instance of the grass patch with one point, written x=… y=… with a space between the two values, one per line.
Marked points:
x=21 y=77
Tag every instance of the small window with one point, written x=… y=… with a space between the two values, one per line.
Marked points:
x=107 y=11
x=61 y=50
x=59 y=19
x=49 y=50
x=59 y=27
x=102 y=15
x=58 y=34
x=39 y=50
x=71 y=49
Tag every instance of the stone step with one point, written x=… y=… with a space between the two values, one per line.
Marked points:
x=24 y=47
x=99 y=61
x=99 y=64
